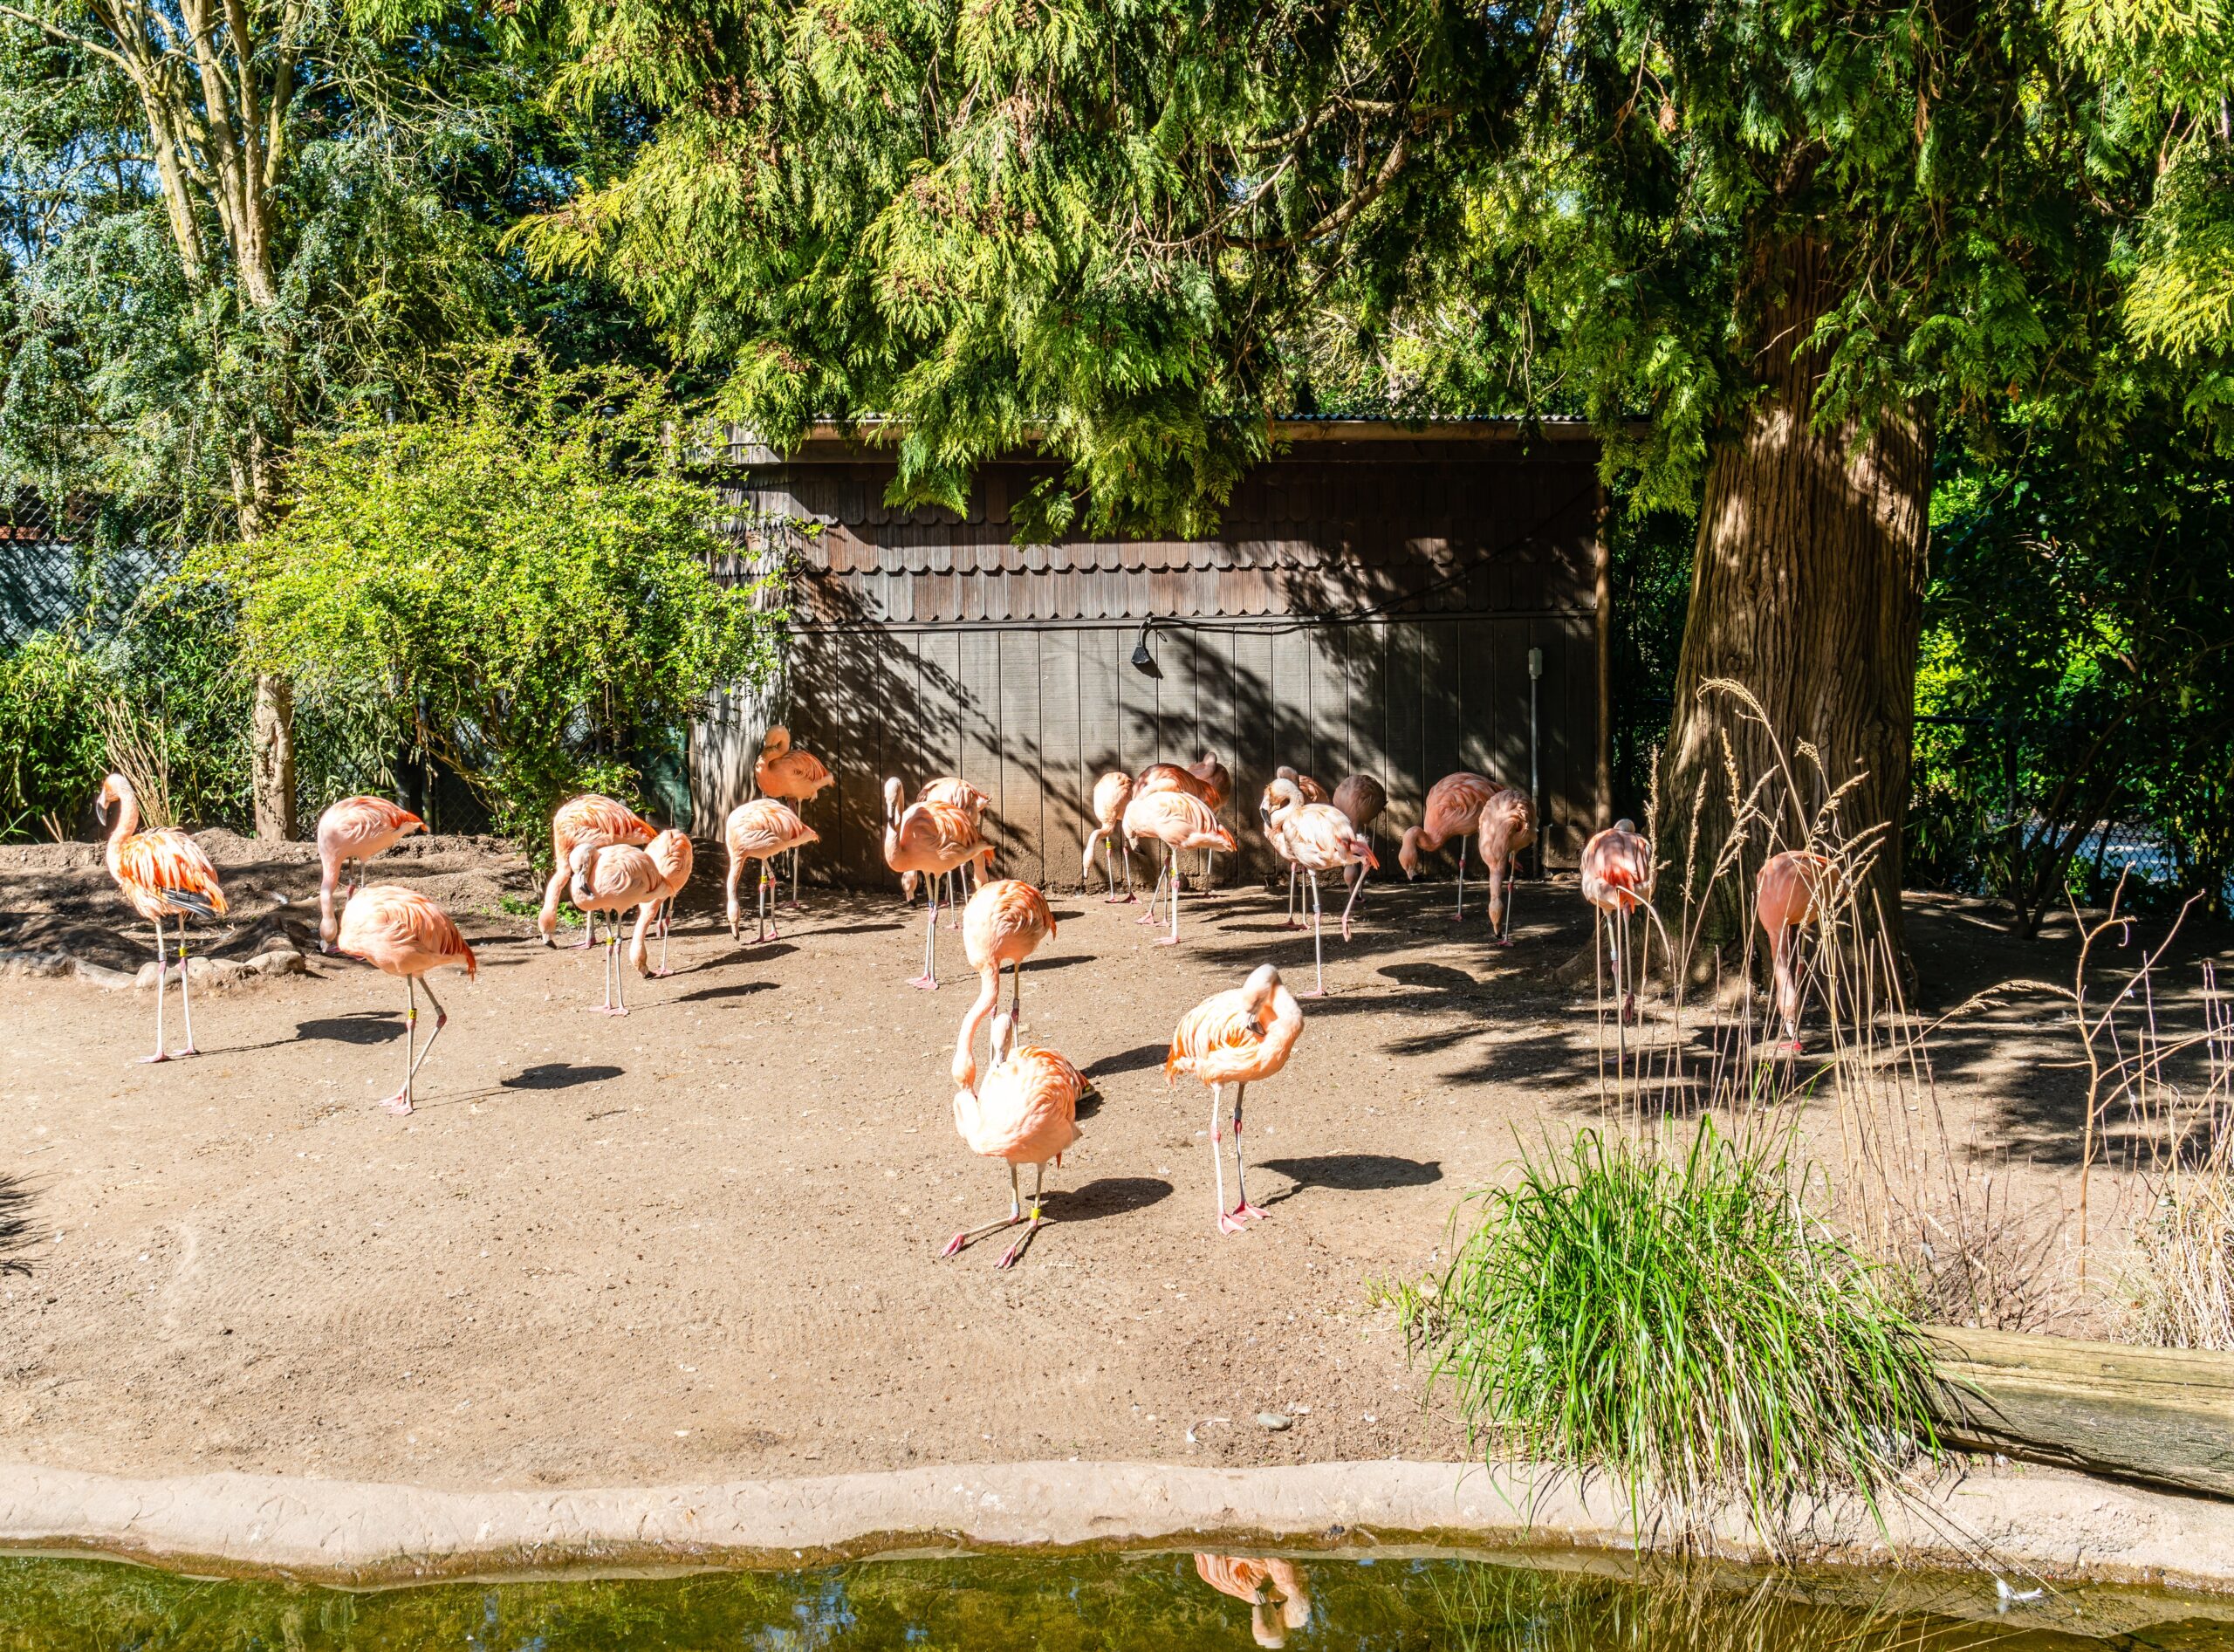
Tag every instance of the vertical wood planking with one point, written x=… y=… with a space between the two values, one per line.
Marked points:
x=1409 y=779
x=1256 y=741
x=978 y=759
x=1020 y=756
x=1067 y=790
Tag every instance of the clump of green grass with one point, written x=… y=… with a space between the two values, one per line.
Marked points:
x=1680 y=1320
x=522 y=906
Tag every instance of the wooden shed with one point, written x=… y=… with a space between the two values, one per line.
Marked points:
x=1371 y=603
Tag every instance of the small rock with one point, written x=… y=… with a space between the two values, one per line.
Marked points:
x=34 y=964
x=1274 y=1421
x=101 y=976
x=278 y=961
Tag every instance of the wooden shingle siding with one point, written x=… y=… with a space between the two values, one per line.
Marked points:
x=1368 y=606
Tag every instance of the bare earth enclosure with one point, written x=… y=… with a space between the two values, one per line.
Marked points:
x=702 y=1243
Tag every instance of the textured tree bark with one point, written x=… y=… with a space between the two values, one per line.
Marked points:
x=1806 y=588
x=274 y=756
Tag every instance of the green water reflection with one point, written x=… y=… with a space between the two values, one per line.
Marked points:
x=1090 y=1603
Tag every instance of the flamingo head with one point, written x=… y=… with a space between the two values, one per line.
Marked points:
x=776 y=742
x=1258 y=990
x=115 y=790
x=1407 y=853
x=896 y=799
x=1625 y=826
x=907 y=885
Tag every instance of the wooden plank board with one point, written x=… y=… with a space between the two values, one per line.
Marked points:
x=1255 y=739
x=1066 y=787
x=978 y=726
x=1438 y=698
x=1333 y=739
x=1019 y=758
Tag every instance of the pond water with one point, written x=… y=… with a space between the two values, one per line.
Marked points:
x=1093 y=1602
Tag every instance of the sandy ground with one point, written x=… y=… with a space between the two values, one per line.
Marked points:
x=704 y=1242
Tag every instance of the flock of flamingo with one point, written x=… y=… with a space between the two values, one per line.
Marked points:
x=1022 y=1108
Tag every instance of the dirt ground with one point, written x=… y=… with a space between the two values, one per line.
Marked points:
x=704 y=1242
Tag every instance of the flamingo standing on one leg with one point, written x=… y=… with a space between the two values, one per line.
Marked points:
x=163 y=873
x=789 y=776
x=1170 y=777
x=1178 y=820
x=927 y=840
x=1234 y=1038
x=611 y=878
x=350 y=832
x=972 y=801
x=1454 y=807
x=1111 y=793
x=1217 y=785
x=1005 y=923
x=672 y=854
x=1617 y=878
x=1506 y=826
x=1320 y=838
x=399 y=931
x=595 y=820
x=1791 y=892
x=760 y=831
x=1363 y=798
x=1025 y=1112
x=1275 y=1590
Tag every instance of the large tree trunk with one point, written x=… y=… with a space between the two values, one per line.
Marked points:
x=274 y=759
x=1807 y=590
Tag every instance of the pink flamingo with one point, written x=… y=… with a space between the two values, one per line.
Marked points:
x=954 y=791
x=672 y=854
x=1111 y=793
x=399 y=931
x=1791 y=892
x=1217 y=787
x=1026 y=1112
x=595 y=820
x=789 y=776
x=1363 y=798
x=1278 y=1597
x=611 y=878
x=1453 y=807
x=760 y=831
x=350 y=832
x=1178 y=820
x=1320 y=837
x=1313 y=792
x=1005 y=923
x=1234 y=1038
x=163 y=873
x=1617 y=878
x=928 y=840
x=1267 y=802
x=1170 y=777
x=1506 y=826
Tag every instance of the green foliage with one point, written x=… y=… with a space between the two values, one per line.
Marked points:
x=1682 y=1320
x=522 y=580
x=53 y=750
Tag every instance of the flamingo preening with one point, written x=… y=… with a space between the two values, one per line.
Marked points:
x=789 y=776
x=1111 y=793
x=1318 y=837
x=611 y=878
x=760 y=831
x=972 y=801
x=163 y=873
x=1275 y=1590
x=672 y=854
x=1618 y=874
x=590 y=819
x=399 y=931
x=1003 y=924
x=1506 y=826
x=1453 y=810
x=1364 y=800
x=1025 y=1112
x=350 y=832
x=1217 y=787
x=928 y=840
x=1234 y=1038
x=1792 y=890
x=1313 y=792
x=1178 y=820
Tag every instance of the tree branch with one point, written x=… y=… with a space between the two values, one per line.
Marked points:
x=63 y=36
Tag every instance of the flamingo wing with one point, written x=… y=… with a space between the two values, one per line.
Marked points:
x=1221 y=1022
x=168 y=869
x=403 y=931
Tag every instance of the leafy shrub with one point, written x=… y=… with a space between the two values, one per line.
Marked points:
x=53 y=737
x=1681 y=1321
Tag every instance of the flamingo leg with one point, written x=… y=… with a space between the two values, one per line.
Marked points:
x=1243 y=1210
x=1292 y=923
x=1227 y=1224
x=1149 y=918
x=1357 y=867
x=928 y=981
x=401 y=1102
x=765 y=906
x=795 y=880
x=1016 y=992
x=666 y=922
x=1172 y=940
x=1016 y=1215
x=1459 y=917
x=1317 y=939
x=162 y=975
x=1016 y=1251
x=185 y=992
x=619 y=970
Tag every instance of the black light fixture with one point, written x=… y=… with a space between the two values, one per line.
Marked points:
x=1143 y=661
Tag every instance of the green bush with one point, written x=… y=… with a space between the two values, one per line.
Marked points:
x=1681 y=1320
x=53 y=751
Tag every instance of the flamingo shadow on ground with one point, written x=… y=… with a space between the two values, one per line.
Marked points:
x=859 y=928
x=1110 y=1195
x=738 y=990
x=746 y=952
x=557 y=1075
x=359 y=1026
x=1139 y=1058
x=1353 y=1173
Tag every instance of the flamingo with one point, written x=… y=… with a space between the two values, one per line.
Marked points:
x=1363 y=798
x=672 y=854
x=789 y=775
x=1506 y=826
x=612 y=877
x=972 y=801
x=1111 y=793
x=163 y=873
x=1320 y=837
x=1234 y=1038
x=1617 y=878
x=1790 y=893
x=1454 y=807
x=1275 y=1590
x=760 y=831
x=399 y=931
x=1170 y=777
x=1026 y=1112
x=350 y=832
x=1005 y=923
x=927 y=840
x=1217 y=785
x=1268 y=801
x=1313 y=792
x=595 y=820
x=1178 y=820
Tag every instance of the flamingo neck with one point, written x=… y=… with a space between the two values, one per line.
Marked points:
x=127 y=821
x=965 y=1042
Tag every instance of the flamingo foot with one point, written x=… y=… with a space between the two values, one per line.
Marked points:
x=1144 y=922
x=1293 y=924
x=1166 y=941
x=1503 y=941
x=923 y=983
x=953 y=1245
x=183 y=1051
x=1227 y=1224
x=147 y=1060
x=1249 y=1212
x=1312 y=992
x=396 y=1104
x=1346 y=929
x=1015 y=1252
x=1114 y=899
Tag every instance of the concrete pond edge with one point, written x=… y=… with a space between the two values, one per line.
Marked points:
x=2045 y=1525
